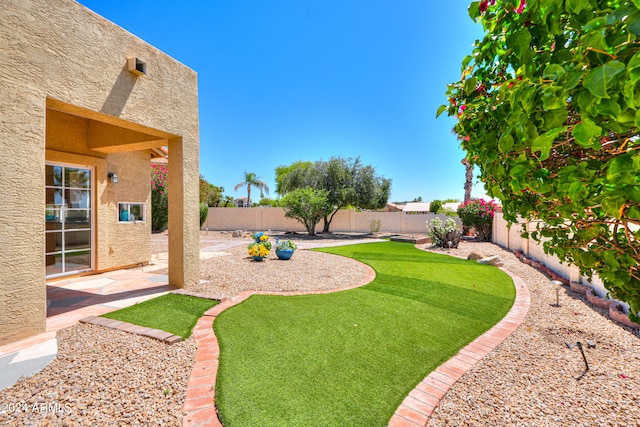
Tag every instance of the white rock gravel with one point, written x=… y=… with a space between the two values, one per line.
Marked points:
x=103 y=377
x=226 y=276
x=533 y=379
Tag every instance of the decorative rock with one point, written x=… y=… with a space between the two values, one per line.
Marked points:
x=237 y=233
x=494 y=260
x=597 y=301
x=475 y=256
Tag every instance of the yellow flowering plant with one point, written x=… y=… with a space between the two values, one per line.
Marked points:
x=261 y=247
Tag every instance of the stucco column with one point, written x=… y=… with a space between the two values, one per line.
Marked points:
x=184 y=217
x=23 y=297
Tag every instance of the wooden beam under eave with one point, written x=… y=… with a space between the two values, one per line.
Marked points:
x=130 y=146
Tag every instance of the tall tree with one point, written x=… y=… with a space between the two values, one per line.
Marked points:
x=308 y=206
x=346 y=182
x=468 y=181
x=209 y=193
x=252 y=180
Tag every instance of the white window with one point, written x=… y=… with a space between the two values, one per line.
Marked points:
x=131 y=212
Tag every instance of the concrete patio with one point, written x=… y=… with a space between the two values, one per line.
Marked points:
x=72 y=299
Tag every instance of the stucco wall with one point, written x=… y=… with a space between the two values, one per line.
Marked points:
x=59 y=53
x=127 y=242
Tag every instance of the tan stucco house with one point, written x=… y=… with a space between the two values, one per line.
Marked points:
x=84 y=107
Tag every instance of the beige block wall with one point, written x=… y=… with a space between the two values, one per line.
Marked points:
x=512 y=239
x=60 y=50
x=345 y=220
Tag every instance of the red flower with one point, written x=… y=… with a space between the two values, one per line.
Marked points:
x=483 y=6
x=523 y=4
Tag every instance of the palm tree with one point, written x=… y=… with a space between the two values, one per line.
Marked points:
x=251 y=179
x=468 y=183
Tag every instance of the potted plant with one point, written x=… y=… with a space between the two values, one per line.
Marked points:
x=285 y=249
x=258 y=237
x=261 y=247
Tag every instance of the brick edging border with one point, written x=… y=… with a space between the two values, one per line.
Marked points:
x=417 y=407
x=199 y=408
x=162 y=336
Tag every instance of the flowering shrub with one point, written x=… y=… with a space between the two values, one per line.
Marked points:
x=159 y=197
x=551 y=119
x=445 y=235
x=479 y=213
x=261 y=247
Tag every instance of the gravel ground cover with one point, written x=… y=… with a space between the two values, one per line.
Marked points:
x=225 y=276
x=108 y=377
x=232 y=270
x=103 y=377
x=533 y=379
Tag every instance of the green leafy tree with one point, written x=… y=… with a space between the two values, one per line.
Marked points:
x=548 y=107
x=204 y=212
x=159 y=196
x=435 y=206
x=252 y=180
x=295 y=175
x=209 y=193
x=266 y=201
x=346 y=183
x=307 y=206
x=371 y=191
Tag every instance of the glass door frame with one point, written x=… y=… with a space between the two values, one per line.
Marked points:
x=63 y=208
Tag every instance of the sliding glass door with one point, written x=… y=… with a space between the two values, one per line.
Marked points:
x=68 y=219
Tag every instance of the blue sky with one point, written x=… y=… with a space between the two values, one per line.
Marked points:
x=284 y=80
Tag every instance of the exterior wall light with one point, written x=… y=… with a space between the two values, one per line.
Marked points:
x=112 y=177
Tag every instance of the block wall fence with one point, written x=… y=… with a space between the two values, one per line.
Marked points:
x=345 y=221
x=510 y=238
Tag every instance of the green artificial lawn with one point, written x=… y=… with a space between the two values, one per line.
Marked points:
x=173 y=313
x=351 y=357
